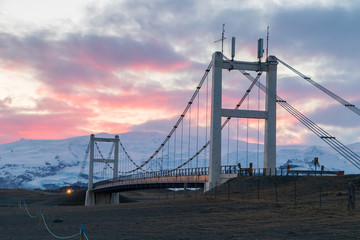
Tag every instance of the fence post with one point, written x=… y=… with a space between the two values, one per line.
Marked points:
x=320 y=195
x=82 y=231
x=295 y=193
x=242 y=190
x=228 y=190
x=40 y=218
x=276 y=195
x=215 y=189
x=351 y=196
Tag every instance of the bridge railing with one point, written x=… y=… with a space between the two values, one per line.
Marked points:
x=167 y=173
x=229 y=169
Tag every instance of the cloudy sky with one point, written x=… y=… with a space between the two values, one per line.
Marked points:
x=76 y=67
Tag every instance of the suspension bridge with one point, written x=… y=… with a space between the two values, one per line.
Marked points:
x=191 y=153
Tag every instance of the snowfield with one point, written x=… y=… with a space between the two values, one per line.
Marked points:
x=49 y=164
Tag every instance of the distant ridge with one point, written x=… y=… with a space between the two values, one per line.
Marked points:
x=50 y=164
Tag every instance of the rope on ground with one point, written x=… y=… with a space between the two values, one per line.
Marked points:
x=55 y=236
x=41 y=214
x=29 y=214
x=85 y=236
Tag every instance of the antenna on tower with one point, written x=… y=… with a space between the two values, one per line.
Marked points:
x=232 y=48
x=267 y=43
x=260 y=49
x=222 y=38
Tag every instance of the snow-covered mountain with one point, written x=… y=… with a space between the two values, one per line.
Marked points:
x=55 y=163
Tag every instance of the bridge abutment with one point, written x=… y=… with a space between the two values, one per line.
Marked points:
x=100 y=198
x=89 y=198
x=223 y=178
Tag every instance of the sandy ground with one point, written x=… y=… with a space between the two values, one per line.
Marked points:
x=246 y=208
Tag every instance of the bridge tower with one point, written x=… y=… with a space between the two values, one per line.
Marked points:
x=91 y=198
x=270 y=67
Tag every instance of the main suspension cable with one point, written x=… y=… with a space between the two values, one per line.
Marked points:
x=178 y=121
x=323 y=89
x=82 y=169
x=226 y=121
x=348 y=154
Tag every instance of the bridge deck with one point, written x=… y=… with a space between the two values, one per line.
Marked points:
x=191 y=177
x=154 y=182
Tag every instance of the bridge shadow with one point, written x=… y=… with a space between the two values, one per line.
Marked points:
x=144 y=186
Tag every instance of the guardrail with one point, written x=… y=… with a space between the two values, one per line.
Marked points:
x=281 y=171
x=168 y=173
x=229 y=169
x=316 y=173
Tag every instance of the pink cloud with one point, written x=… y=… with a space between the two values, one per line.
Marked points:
x=73 y=122
x=86 y=60
x=55 y=126
x=75 y=68
x=68 y=115
x=72 y=71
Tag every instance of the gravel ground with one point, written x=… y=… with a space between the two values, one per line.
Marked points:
x=245 y=208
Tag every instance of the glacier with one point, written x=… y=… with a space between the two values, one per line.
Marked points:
x=50 y=164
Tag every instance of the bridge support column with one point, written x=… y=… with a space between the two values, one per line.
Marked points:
x=116 y=159
x=215 y=125
x=100 y=198
x=270 y=122
x=185 y=189
x=115 y=198
x=218 y=64
x=89 y=198
x=107 y=197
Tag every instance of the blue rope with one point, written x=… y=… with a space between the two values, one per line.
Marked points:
x=55 y=236
x=30 y=215
x=85 y=236
x=82 y=231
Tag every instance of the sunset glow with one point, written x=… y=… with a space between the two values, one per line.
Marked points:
x=71 y=68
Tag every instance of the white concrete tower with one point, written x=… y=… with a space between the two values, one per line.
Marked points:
x=270 y=67
x=270 y=108
x=90 y=196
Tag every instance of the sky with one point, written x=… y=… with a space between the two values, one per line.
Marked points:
x=77 y=67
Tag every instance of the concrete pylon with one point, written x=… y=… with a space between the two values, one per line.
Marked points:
x=91 y=197
x=270 y=108
x=218 y=64
x=215 y=122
